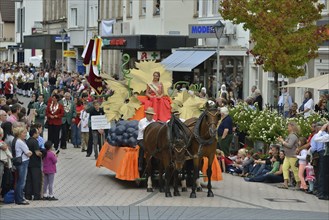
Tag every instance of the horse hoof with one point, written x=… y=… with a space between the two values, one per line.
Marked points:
x=149 y=189
x=210 y=194
x=176 y=193
x=193 y=195
x=199 y=189
x=168 y=194
x=161 y=190
x=184 y=189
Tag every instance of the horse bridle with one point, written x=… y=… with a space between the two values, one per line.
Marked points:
x=197 y=135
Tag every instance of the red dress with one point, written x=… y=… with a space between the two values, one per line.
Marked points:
x=161 y=105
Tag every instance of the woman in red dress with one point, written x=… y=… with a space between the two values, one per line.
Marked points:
x=157 y=100
x=54 y=113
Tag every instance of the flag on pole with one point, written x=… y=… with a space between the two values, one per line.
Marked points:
x=92 y=56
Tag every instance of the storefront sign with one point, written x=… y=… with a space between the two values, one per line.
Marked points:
x=118 y=42
x=201 y=31
x=148 y=55
x=99 y=122
x=70 y=53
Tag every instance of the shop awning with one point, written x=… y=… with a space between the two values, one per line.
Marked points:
x=318 y=82
x=186 y=60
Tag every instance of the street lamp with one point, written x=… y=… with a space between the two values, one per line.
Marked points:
x=63 y=33
x=219 y=29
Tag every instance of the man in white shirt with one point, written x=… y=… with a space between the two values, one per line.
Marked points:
x=323 y=136
x=285 y=102
x=142 y=124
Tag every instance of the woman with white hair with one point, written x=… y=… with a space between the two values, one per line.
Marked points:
x=258 y=100
x=203 y=93
x=225 y=131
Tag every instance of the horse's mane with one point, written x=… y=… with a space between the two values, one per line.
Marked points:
x=177 y=130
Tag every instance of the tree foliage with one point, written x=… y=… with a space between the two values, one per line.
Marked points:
x=283 y=32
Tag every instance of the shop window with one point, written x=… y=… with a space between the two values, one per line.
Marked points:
x=129 y=8
x=156 y=7
x=196 y=8
x=74 y=17
x=142 y=7
x=232 y=74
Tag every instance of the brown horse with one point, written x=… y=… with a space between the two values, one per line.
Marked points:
x=204 y=143
x=168 y=143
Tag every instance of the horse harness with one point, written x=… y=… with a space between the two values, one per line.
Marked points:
x=196 y=131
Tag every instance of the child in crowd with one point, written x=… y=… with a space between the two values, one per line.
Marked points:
x=302 y=163
x=49 y=170
x=83 y=124
x=310 y=175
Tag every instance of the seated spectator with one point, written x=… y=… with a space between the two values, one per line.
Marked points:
x=275 y=164
x=265 y=164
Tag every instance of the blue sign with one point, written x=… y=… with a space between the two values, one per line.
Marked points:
x=58 y=39
x=201 y=31
x=81 y=69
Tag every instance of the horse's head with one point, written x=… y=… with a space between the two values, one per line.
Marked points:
x=211 y=117
x=179 y=153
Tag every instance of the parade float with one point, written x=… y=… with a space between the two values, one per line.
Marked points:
x=126 y=107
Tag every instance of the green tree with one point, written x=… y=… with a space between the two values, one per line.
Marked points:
x=283 y=32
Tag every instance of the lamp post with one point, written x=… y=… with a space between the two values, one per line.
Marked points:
x=63 y=33
x=219 y=29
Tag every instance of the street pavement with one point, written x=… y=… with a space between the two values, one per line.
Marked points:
x=87 y=192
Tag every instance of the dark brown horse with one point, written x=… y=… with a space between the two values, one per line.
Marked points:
x=204 y=143
x=168 y=143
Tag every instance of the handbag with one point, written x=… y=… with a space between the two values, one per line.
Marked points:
x=46 y=124
x=17 y=161
x=297 y=163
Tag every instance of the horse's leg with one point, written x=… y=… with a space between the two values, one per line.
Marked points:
x=167 y=176
x=183 y=180
x=198 y=180
x=149 y=174
x=195 y=176
x=161 y=189
x=209 y=173
x=176 y=191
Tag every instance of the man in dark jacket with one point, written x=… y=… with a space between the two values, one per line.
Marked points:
x=34 y=173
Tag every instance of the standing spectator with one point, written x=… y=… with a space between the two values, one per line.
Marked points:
x=97 y=133
x=225 y=131
x=75 y=130
x=49 y=170
x=40 y=110
x=21 y=149
x=253 y=88
x=34 y=174
x=258 y=100
x=68 y=118
x=290 y=145
x=54 y=113
x=46 y=91
x=83 y=125
x=302 y=163
x=317 y=149
x=5 y=158
x=323 y=136
x=285 y=102
x=31 y=103
x=3 y=117
x=307 y=106
x=321 y=108
x=9 y=89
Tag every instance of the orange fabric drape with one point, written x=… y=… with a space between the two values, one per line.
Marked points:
x=121 y=160
x=216 y=170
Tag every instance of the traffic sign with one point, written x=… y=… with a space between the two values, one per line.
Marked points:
x=58 y=39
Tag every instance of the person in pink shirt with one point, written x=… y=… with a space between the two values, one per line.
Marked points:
x=15 y=109
x=49 y=170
